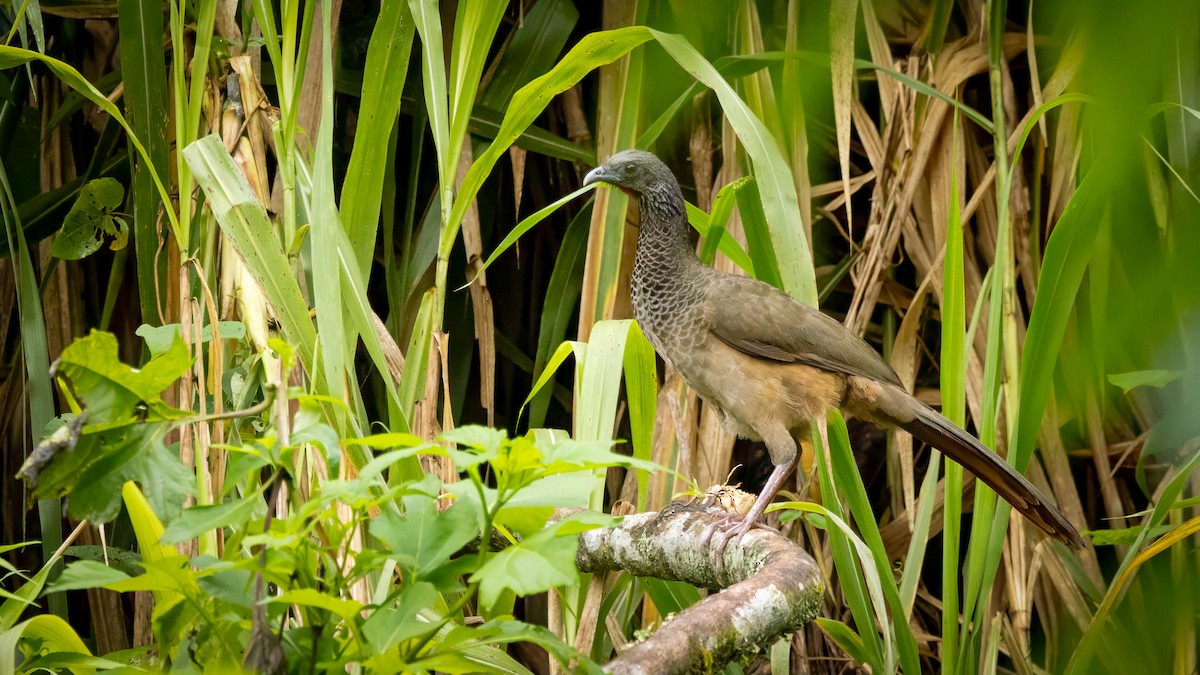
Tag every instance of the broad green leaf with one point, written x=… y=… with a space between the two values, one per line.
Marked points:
x=90 y=219
x=534 y=565
x=92 y=473
x=423 y=539
x=108 y=389
x=485 y=440
x=84 y=574
x=396 y=622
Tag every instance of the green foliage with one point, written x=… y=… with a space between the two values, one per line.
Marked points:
x=90 y=219
x=123 y=438
x=427 y=549
x=1079 y=250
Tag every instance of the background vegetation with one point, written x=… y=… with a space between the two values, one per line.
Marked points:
x=269 y=208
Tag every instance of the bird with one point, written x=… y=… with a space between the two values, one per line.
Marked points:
x=773 y=367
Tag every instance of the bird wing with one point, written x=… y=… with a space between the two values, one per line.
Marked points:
x=763 y=321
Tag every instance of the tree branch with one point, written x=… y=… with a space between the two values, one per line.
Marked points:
x=772 y=586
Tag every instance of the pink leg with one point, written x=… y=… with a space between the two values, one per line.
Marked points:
x=734 y=527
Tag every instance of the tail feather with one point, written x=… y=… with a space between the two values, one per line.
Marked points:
x=962 y=447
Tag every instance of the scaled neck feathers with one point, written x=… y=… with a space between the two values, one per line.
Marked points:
x=664 y=227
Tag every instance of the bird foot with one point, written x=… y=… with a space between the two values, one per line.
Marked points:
x=727 y=529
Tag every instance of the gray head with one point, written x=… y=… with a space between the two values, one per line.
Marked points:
x=637 y=172
x=641 y=174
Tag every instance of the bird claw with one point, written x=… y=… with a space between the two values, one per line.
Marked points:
x=731 y=528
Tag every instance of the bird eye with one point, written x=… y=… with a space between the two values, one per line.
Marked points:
x=630 y=169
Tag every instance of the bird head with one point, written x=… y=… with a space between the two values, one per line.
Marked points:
x=636 y=172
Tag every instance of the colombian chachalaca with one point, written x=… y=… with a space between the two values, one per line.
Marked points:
x=771 y=366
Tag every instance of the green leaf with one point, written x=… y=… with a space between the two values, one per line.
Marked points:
x=524 y=226
x=199 y=519
x=423 y=539
x=1125 y=536
x=572 y=455
x=845 y=637
x=1063 y=264
x=50 y=633
x=133 y=453
x=536 y=44
x=534 y=565
x=484 y=439
x=160 y=338
x=144 y=78
x=14 y=56
x=89 y=219
x=383 y=80
x=592 y=51
x=119 y=447
x=1144 y=378
x=392 y=624
x=311 y=597
x=310 y=427
x=243 y=219
x=773 y=177
x=716 y=235
x=562 y=297
x=24 y=596
x=84 y=574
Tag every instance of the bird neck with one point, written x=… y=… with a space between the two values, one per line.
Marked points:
x=663 y=240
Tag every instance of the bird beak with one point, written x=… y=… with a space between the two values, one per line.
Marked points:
x=598 y=175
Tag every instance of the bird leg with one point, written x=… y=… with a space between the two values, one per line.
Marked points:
x=733 y=526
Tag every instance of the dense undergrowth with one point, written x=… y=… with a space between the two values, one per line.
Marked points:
x=376 y=322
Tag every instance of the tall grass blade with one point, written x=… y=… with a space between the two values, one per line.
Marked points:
x=35 y=352
x=144 y=76
x=383 y=80
x=243 y=219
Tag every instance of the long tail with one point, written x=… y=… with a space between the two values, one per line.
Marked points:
x=962 y=447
